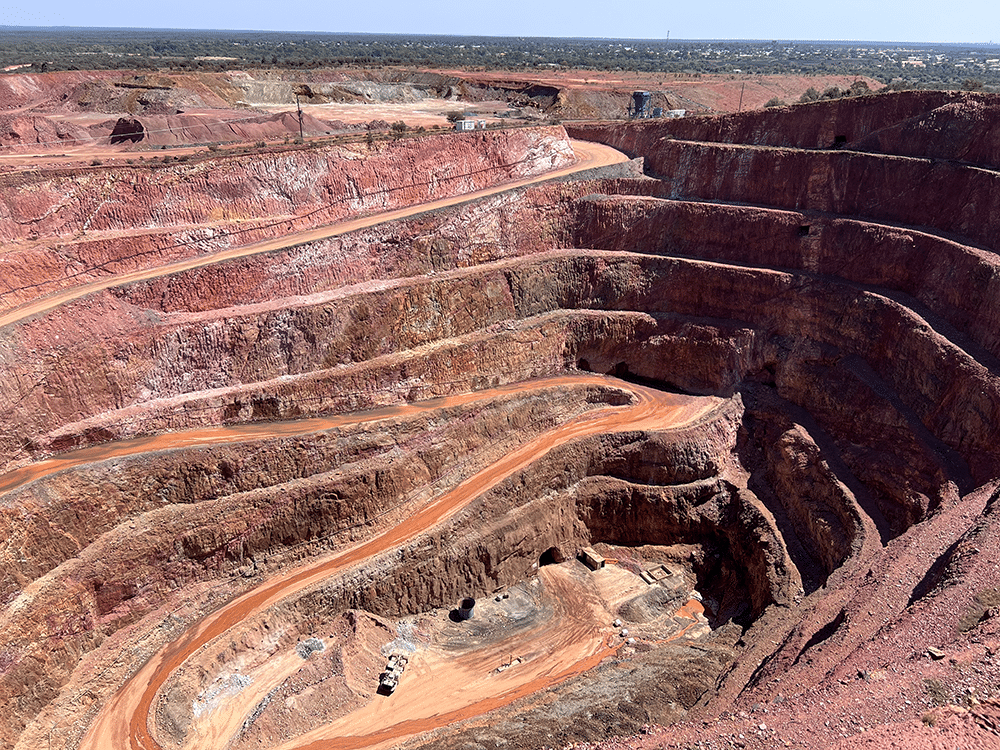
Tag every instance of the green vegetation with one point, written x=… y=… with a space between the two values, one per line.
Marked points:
x=858 y=88
x=810 y=95
x=973 y=67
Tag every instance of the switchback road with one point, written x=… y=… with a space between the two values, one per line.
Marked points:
x=124 y=721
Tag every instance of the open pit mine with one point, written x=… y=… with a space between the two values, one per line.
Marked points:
x=673 y=431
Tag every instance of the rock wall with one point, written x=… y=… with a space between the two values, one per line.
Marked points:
x=69 y=510
x=327 y=183
x=858 y=357
x=185 y=517
x=565 y=501
x=845 y=440
x=900 y=124
x=942 y=276
x=835 y=182
x=814 y=328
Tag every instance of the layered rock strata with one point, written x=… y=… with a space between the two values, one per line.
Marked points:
x=839 y=301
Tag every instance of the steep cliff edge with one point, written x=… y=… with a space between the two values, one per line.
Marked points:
x=69 y=227
x=838 y=306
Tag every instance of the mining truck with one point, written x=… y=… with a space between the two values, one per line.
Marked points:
x=389 y=679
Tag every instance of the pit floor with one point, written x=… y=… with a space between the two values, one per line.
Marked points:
x=544 y=631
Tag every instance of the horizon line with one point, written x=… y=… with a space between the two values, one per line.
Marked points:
x=764 y=40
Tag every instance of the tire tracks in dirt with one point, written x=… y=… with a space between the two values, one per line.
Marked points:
x=124 y=721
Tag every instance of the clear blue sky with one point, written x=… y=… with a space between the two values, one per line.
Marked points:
x=880 y=20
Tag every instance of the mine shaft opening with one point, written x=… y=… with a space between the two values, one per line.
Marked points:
x=551 y=556
x=622 y=371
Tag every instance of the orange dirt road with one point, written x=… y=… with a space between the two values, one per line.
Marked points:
x=588 y=156
x=123 y=721
x=241 y=433
x=444 y=688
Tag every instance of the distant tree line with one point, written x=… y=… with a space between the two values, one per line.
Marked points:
x=46 y=49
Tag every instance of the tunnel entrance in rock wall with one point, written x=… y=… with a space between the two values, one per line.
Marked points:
x=551 y=556
x=622 y=371
x=129 y=130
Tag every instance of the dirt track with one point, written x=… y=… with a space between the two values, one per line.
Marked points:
x=238 y=433
x=447 y=689
x=123 y=722
x=589 y=156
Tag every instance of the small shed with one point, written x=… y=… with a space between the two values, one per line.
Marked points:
x=463 y=125
x=590 y=558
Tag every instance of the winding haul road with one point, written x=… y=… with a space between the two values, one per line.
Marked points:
x=588 y=156
x=123 y=721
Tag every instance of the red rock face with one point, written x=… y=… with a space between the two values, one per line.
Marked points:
x=324 y=184
x=910 y=241
x=112 y=221
x=852 y=122
x=842 y=303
